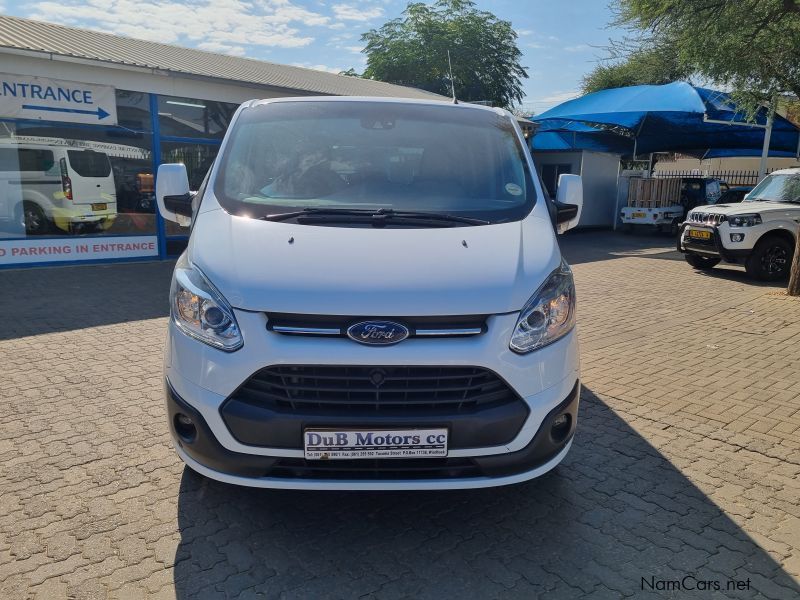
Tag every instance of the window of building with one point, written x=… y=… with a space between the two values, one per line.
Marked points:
x=72 y=181
x=193 y=118
x=550 y=175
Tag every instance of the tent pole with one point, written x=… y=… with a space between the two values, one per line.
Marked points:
x=762 y=168
x=798 y=145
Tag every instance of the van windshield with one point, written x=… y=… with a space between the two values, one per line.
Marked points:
x=290 y=156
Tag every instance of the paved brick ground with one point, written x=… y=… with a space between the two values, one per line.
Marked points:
x=687 y=458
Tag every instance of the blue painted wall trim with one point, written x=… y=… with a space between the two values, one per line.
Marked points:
x=161 y=229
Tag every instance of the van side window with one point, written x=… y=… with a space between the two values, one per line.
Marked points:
x=89 y=164
x=26 y=159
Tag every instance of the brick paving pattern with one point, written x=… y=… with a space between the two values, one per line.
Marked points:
x=686 y=460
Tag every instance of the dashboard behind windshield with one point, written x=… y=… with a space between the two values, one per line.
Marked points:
x=288 y=156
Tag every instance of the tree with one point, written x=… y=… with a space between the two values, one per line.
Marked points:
x=752 y=46
x=654 y=65
x=412 y=50
x=749 y=45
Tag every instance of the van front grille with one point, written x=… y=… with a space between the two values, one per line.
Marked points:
x=360 y=388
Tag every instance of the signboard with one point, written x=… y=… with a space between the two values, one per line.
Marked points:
x=113 y=150
x=20 y=252
x=26 y=97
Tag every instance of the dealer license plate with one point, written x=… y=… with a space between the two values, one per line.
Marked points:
x=100 y=206
x=639 y=215
x=699 y=234
x=323 y=444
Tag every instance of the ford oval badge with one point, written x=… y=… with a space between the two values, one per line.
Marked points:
x=377 y=333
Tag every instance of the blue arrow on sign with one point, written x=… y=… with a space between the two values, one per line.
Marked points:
x=101 y=114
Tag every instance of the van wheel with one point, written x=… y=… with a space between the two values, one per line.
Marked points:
x=770 y=260
x=36 y=222
x=702 y=263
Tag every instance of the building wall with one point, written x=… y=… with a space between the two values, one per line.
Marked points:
x=724 y=164
x=599 y=171
x=552 y=164
x=161 y=118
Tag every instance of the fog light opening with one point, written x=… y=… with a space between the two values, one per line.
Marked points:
x=560 y=427
x=737 y=237
x=185 y=428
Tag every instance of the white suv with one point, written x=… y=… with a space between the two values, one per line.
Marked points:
x=760 y=232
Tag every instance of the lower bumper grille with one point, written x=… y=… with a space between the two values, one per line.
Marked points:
x=377 y=469
x=360 y=388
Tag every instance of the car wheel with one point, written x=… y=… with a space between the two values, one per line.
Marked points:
x=770 y=260
x=702 y=263
x=36 y=222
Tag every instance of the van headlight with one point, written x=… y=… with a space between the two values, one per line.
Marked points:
x=549 y=315
x=200 y=311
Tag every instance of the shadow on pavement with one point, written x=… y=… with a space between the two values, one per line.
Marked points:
x=614 y=513
x=592 y=246
x=48 y=300
x=739 y=275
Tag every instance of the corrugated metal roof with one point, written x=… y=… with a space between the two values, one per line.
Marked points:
x=38 y=36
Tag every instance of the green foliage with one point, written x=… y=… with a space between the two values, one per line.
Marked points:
x=753 y=46
x=645 y=66
x=412 y=50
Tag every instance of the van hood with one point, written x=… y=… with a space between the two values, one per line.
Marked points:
x=280 y=267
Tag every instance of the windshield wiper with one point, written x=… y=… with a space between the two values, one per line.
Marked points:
x=389 y=213
x=318 y=211
x=378 y=217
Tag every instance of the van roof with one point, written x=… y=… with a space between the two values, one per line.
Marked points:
x=438 y=101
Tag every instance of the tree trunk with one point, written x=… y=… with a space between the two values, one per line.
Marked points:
x=794 y=278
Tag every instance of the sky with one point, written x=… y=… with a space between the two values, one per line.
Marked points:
x=560 y=41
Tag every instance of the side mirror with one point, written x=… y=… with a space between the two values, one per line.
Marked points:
x=173 y=195
x=569 y=202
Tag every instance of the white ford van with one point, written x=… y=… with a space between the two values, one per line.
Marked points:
x=372 y=298
x=50 y=188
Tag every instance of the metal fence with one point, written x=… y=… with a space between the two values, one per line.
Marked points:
x=731 y=176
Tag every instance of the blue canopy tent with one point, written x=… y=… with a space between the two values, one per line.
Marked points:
x=676 y=117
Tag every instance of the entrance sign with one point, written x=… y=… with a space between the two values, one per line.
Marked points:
x=62 y=249
x=26 y=97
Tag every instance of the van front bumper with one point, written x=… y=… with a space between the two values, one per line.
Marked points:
x=243 y=439
x=200 y=450
x=64 y=218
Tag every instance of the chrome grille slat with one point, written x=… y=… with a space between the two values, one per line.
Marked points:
x=705 y=218
x=333 y=326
